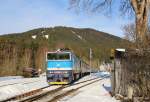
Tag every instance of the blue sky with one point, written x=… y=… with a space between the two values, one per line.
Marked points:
x=23 y=15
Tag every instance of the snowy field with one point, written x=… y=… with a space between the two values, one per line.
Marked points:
x=97 y=92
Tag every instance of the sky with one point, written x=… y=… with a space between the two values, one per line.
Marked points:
x=23 y=15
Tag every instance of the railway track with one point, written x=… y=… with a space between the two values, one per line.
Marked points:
x=55 y=94
x=70 y=90
x=52 y=94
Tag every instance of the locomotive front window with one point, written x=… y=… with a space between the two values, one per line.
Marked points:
x=58 y=56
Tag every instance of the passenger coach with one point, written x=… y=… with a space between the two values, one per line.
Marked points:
x=63 y=67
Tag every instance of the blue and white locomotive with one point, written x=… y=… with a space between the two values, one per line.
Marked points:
x=63 y=67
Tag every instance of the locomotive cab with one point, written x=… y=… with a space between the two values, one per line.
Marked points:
x=59 y=67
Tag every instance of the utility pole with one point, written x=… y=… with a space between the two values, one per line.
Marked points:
x=90 y=61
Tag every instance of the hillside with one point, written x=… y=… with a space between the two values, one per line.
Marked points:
x=18 y=51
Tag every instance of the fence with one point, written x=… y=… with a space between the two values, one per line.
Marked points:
x=131 y=75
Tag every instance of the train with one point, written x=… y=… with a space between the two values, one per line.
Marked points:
x=64 y=67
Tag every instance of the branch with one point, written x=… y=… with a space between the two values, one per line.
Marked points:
x=134 y=5
x=126 y=8
x=100 y=5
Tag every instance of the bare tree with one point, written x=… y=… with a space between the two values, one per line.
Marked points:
x=129 y=32
x=130 y=35
x=139 y=8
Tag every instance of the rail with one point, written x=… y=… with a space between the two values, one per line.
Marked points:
x=58 y=92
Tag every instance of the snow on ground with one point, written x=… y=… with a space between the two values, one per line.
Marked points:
x=80 y=37
x=94 y=75
x=10 y=77
x=13 y=87
x=96 y=92
x=92 y=93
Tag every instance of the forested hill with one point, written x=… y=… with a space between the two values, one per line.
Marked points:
x=18 y=51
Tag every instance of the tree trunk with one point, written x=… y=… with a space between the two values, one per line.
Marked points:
x=141 y=28
x=141 y=24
